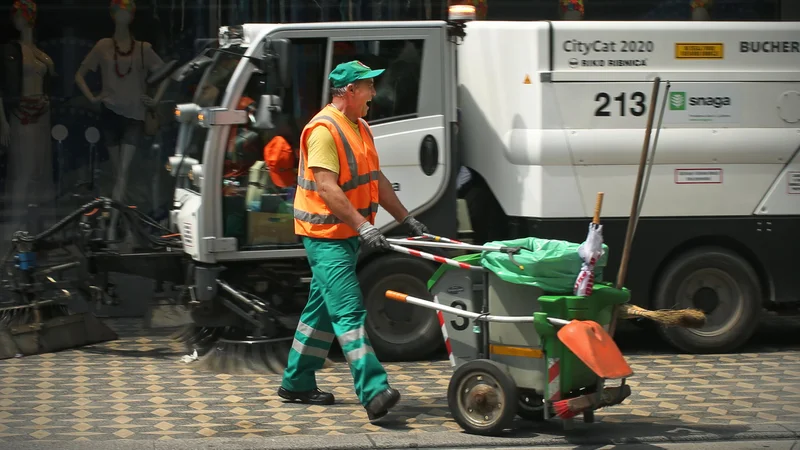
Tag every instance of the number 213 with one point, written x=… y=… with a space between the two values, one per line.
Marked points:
x=637 y=98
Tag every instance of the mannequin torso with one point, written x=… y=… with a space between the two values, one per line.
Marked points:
x=123 y=66
x=34 y=67
x=27 y=72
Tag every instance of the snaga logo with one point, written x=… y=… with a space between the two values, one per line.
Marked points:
x=678 y=101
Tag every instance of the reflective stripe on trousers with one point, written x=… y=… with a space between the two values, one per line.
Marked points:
x=302 y=344
x=335 y=308
x=355 y=344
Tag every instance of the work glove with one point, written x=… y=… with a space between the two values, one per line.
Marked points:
x=417 y=228
x=372 y=237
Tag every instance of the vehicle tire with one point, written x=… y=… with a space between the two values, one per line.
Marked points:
x=482 y=397
x=400 y=331
x=720 y=283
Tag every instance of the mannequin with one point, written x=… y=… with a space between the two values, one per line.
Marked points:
x=571 y=9
x=124 y=65
x=25 y=123
x=701 y=9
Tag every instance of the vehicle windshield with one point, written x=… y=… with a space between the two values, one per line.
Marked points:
x=209 y=92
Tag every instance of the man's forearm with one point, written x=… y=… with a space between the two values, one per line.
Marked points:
x=340 y=205
x=389 y=200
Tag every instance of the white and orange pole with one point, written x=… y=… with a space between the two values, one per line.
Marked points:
x=430 y=257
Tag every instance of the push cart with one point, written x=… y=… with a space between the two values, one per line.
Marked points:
x=529 y=349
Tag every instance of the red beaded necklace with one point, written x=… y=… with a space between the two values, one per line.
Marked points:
x=119 y=52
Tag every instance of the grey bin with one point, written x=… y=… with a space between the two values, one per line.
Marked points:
x=463 y=289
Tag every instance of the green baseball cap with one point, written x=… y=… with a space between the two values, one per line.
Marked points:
x=348 y=72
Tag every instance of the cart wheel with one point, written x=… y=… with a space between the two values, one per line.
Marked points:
x=482 y=397
x=531 y=406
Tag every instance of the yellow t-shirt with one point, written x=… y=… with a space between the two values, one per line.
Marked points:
x=322 y=148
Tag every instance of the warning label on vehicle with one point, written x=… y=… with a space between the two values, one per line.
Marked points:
x=794 y=182
x=699 y=51
x=698 y=176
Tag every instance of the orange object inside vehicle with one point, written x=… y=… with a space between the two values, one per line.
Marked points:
x=596 y=348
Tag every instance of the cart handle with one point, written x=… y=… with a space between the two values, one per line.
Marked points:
x=455 y=245
x=442 y=242
x=430 y=257
x=405 y=298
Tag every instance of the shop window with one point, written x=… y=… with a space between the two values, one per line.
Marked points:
x=398 y=87
x=260 y=170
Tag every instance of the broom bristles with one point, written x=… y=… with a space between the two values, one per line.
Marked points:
x=562 y=410
x=569 y=408
x=687 y=318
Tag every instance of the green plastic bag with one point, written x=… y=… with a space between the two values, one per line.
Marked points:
x=549 y=264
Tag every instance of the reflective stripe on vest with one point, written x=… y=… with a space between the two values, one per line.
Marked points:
x=330 y=219
x=356 y=180
x=312 y=217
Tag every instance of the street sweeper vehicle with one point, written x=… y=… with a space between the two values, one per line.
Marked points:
x=545 y=125
x=542 y=114
x=541 y=128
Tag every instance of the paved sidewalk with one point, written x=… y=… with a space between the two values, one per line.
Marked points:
x=136 y=389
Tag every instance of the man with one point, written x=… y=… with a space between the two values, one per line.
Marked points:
x=339 y=188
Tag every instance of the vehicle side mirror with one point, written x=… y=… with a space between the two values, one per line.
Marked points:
x=198 y=63
x=279 y=50
x=267 y=106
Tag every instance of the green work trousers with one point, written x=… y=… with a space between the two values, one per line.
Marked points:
x=335 y=309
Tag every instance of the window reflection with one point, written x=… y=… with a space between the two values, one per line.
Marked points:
x=50 y=120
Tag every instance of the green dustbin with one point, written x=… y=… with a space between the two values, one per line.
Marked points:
x=571 y=372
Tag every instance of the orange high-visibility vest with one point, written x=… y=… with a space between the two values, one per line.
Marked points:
x=358 y=178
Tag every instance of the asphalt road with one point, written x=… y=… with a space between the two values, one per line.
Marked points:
x=134 y=393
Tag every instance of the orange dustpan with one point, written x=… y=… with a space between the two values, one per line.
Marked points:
x=596 y=348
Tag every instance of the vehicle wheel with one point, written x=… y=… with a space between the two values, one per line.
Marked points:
x=722 y=285
x=482 y=397
x=399 y=331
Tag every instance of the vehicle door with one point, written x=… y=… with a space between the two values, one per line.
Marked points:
x=407 y=116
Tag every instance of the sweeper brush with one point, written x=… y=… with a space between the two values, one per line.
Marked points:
x=35 y=317
x=45 y=327
x=40 y=288
x=225 y=350
x=197 y=338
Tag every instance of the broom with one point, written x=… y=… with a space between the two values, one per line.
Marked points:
x=687 y=318
x=570 y=407
x=567 y=409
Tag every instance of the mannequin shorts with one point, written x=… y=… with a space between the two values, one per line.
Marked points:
x=120 y=130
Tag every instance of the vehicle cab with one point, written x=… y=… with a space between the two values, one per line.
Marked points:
x=238 y=146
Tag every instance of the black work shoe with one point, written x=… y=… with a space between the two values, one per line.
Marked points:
x=314 y=397
x=379 y=406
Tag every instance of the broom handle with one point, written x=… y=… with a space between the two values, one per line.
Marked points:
x=597 y=207
x=626 y=250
